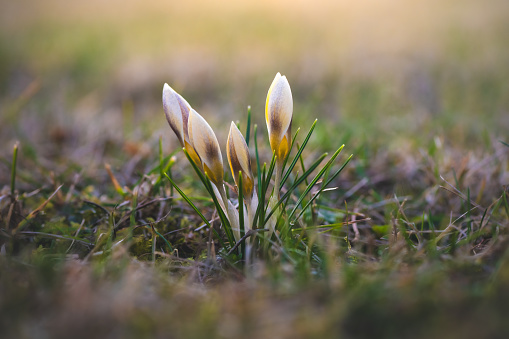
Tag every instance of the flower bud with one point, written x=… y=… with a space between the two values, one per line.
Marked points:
x=176 y=109
x=278 y=115
x=240 y=161
x=205 y=144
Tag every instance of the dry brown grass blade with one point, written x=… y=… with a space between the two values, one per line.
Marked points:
x=457 y=192
x=114 y=180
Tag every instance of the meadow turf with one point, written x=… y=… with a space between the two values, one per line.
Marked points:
x=96 y=242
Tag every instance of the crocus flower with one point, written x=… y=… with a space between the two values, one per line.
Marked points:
x=205 y=144
x=278 y=114
x=177 y=109
x=240 y=161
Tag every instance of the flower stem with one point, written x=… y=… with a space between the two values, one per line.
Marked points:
x=279 y=169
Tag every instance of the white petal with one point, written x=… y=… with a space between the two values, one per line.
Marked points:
x=280 y=107
x=219 y=197
x=205 y=143
x=233 y=217
x=241 y=149
x=173 y=112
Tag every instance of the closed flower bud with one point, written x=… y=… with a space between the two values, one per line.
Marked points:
x=205 y=144
x=177 y=109
x=278 y=114
x=240 y=161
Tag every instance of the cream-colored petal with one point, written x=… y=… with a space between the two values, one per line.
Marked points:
x=205 y=144
x=185 y=108
x=279 y=110
x=173 y=112
x=239 y=160
x=236 y=139
x=253 y=205
x=233 y=217
x=219 y=198
x=247 y=222
x=276 y=79
x=271 y=224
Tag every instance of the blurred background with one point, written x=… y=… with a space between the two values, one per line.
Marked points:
x=81 y=80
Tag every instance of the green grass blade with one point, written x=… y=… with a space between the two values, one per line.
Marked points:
x=193 y=206
x=198 y=171
x=469 y=217
x=208 y=186
x=301 y=158
x=224 y=219
x=132 y=217
x=299 y=152
x=335 y=225
x=241 y=215
x=186 y=198
x=266 y=181
x=258 y=168
x=13 y=168
x=291 y=147
x=506 y=205
x=261 y=198
x=324 y=186
x=315 y=180
x=164 y=239
x=248 y=127
x=269 y=173
x=295 y=185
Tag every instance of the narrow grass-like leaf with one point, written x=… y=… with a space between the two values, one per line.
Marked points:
x=266 y=183
x=299 y=152
x=290 y=150
x=23 y=223
x=162 y=237
x=301 y=179
x=469 y=219
x=248 y=127
x=301 y=158
x=166 y=160
x=114 y=181
x=296 y=184
x=193 y=206
x=224 y=219
x=324 y=186
x=161 y=156
x=403 y=230
x=259 y=214
x=261 y=197
x=208 y=186
x=258 y=168
x=57 y=236
x=200 y=174
x=165 y=165
x=132 y=217
x=13 y=169
x=241 y=215
x=506 y=205
x=315 y=180
x=154 y=240
x=269 y=173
